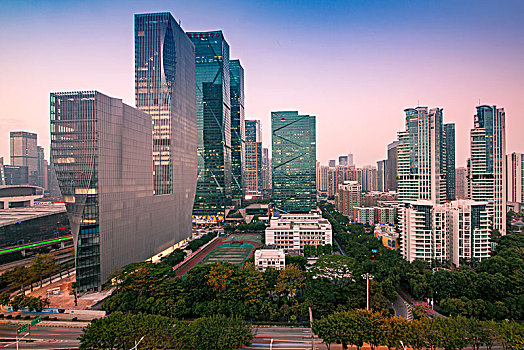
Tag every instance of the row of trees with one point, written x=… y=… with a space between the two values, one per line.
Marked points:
x=199 y=242
x=20 y=301
x=491 y=289
x=376 y=329
x=320 y=250
x=42 y=266
x=127 y=331
x=252 y=227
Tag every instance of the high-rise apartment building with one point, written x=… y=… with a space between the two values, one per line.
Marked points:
x=294 y=161
x=488 y=162
x=421 y=159
x=102 y=151
x=369 y=178
x=449 y=142
x=515 y=177
x=238 y=135
x=24 y=152
x=454 y=231
x=214 y=181
x=253 y=169
x=391 y=167
x=266 y=170
x=322 y=179
x=461 y=183
x=349 y=196
x=381 y=175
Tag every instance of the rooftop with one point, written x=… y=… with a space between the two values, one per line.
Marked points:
x=14 y=215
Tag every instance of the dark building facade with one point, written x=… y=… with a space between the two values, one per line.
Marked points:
x=294 y=161
x=253 y=180
x=238 y=136
x=213 y=103
x=449 y=135
x=16 y=175
x=391 y=167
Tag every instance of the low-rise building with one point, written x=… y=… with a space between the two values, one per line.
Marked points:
x=291 y=232
x=388 y=236
x=274 y=258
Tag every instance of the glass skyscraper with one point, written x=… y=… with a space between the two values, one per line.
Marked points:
x=294 y=161
x=238 y=137
x=449 y=135
x=488 y=162
x=213 y=103
x=253 y=168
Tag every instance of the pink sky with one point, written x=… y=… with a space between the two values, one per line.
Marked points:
x=355 y=68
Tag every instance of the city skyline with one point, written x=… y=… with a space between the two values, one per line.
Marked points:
x=373 y=62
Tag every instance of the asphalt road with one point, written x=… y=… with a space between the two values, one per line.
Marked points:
x=283 y=338
x=41 y=337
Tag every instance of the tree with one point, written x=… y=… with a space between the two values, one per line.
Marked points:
x=220 y=332
x=290 y=281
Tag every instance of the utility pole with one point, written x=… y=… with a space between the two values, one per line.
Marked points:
x=367 y=276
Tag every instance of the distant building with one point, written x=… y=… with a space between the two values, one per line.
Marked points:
x=461 y=183
x=369 y=178
x=2 y=177
x=343 y=160
x=16 y=175
x=449 y=142
x=488 y=162
x=266 y=170
x=322 y=180
x=374 y=215
x=332 y=163
x=454 y=231
x=294 y=161
x=24 y=152
x=381 y=175
x=253 y=169
x=291 y=232
x=349 y=196
x=274 y=258
x=391 y=167
x=515 y=177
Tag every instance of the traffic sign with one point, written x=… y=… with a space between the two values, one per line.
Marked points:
x=22 y=329
x=36 y=320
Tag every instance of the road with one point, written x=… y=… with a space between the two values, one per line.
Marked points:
x=283 y=338
x=41 y=337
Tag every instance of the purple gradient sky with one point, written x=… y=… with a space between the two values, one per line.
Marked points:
x=355 y=65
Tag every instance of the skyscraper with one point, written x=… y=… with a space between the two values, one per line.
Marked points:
x=421 y=156
x=449 y=135
x=213 y=192
x=238 y=136
x=322 y=179
x=332 y=163
x=381 y=176
x=102 y=153
x=343 y=160
x=253 y=168
x=42 y=168
x=461 y=183
x=391 y=167
x=294 y=161
x=515 y=177
x=24 y=152
x=2 y=178
x=488 y=162
x=369 y=178
x=266 y=170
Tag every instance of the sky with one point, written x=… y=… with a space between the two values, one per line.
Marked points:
x=355 y=65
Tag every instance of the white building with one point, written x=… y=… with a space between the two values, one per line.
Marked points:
x=291 y=232
x=515 y=177
x=445 y=232
x=274 y=258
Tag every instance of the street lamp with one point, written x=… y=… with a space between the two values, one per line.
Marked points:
x=367 y=276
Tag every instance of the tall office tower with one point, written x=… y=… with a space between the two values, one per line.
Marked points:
x=102 y=151
x=332 y=163
x=454 y=231
x=343 y=160
x=42 y=168
x=2 y=178
x=238 y=135
x=294 y=157
x=24 y=152
x=369 y=178
x=332 y=182
x=266 y=170
x=381 y=176
x=348 y=196
x=213 y=192
x=421 y=156
x=322 y=179
x=488 y=162
x=461 y=183
x=391 y=167
x=449 y=141
x=515 y=177
x=253 y=168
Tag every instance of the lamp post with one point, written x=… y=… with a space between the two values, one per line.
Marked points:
x=367 y=276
